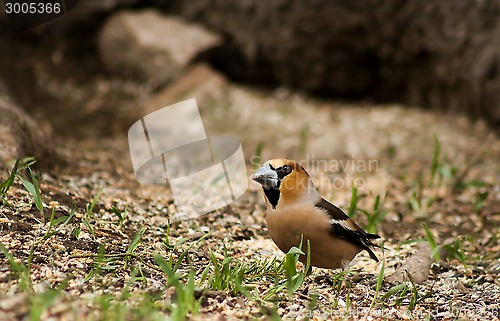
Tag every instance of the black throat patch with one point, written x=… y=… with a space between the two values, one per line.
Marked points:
x=273 y=195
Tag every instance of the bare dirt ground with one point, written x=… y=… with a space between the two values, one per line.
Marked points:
x=95 y=263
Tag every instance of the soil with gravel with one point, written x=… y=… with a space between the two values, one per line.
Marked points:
x=460 y=205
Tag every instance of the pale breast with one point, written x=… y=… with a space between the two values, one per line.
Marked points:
x=286 y=228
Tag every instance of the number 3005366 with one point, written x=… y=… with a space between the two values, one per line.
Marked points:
x=32 y=7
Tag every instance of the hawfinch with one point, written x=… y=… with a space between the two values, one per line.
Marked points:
x=296 y=211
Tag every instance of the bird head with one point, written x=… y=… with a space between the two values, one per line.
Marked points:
x=284 y=182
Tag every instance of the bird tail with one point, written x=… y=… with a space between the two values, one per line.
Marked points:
x=372 y=255
x=369 y=244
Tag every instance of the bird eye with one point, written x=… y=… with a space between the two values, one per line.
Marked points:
x=287 y=169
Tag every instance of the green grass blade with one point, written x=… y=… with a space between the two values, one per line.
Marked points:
x=380 y=280
x=5 y=186
x=19 y=270
x=135 y=241
x=435 y=158
x=88 y=226
x=414 y=298
x=394 y=290
x=90 y=206
x=432 y=243
x=33 y=191
x=37 y=196
x=354 y=202
x=257 y=159
x=41 y=302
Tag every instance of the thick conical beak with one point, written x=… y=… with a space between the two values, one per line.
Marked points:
x=267 y=177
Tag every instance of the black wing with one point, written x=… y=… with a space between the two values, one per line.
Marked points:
x=342 y=226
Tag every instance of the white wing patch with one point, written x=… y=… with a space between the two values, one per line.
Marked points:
x=346 y=224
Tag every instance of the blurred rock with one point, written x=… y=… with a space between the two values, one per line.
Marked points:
x=151 y=47
x=438 y=55
x=20 y=136
x=283 y=121
x=200 y=81
x=418 y=266
x=443 y=55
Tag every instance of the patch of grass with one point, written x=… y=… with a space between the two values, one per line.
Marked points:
x=405 y=293
x=461 y=184
x=33 y=188
x=271 y=312
x=348 y=302
x=443 y=174
x=136 y=240
x=236 y=276
x=89 y=207
x=225 y=276
x=89 y=210
x=432 y=243
x=480 y=199
x=311 y=306
x=417 y=202
x=186 y=302
x=141 y=306
x=454 y=249
x=338 y=280
x=55 y=225
x=173 y=262
x=376 y=215
x=30 y=184
x=7 y=184
x=99 y=263
x=442 y=169
x=106 y=263
x=240 y=277
x=166 y=241
x=259 y=268
x=294 y=278
x=122 y=215
x=111 y=262
x=415 y=295
x=125 y=305
x=88 y=226
x=19 y=166
x=380 y=280
x=42 y=301
x=19 y=270
x=399 y=291
x=134 y=244
x=38 y=301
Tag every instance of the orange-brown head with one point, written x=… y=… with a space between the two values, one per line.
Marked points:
x=284 y=182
